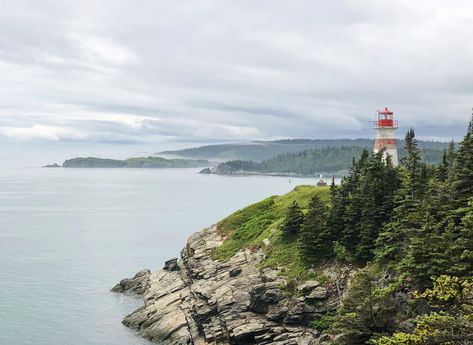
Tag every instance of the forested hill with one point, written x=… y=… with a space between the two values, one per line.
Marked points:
x=262 y=150
x=330 y=160
x=138 y=162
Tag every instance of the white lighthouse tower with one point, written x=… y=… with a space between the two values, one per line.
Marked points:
x=385 y=140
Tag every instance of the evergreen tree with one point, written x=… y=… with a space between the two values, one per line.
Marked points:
x=462 y=174
x=461 y=248
x=407 y=218
x=314 y=241
x=293 y=221
x=444 y=169
x=413 y=166
x=367 y=309
x=424 y=257
x=373 y=190
x=335 y=223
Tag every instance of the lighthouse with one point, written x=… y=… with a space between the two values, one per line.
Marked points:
x=385 y=140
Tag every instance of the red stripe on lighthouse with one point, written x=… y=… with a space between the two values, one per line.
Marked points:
x=386 y=141
x=382 y=143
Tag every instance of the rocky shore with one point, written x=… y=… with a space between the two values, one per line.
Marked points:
x=198 y=300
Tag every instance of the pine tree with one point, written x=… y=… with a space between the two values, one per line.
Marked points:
x=314 y=240
x=293 y=221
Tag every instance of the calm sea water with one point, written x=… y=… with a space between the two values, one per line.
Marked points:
x=68 y=235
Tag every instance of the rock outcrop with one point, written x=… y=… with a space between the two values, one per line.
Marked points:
x=136 y=285
x=199 y=300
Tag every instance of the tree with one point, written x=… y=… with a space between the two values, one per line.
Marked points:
x=367 y=309
x=424 y=257
x=444 y=169
x=293 y=221
x=314 y=241
x=462 y=174
x=413 y=166
x=408 y=216
x=461 y=247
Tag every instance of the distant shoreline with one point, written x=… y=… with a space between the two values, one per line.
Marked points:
x=136 y=162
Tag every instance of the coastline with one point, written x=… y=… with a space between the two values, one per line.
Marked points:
x=200 y=300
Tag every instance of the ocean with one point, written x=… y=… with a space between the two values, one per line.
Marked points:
x=67 y=236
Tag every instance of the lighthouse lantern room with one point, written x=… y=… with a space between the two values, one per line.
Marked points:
x=385 y=140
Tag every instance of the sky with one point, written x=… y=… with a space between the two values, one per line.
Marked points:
x=132 y=76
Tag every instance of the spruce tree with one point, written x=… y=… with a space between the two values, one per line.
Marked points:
x=461 y=249
x=367 y=309
x=462 y=174
x=406 y=219
x=424 y=257
x=413 y=166
x=314 y=240
x=293 y=220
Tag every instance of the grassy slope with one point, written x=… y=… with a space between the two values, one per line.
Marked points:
x=248 y=228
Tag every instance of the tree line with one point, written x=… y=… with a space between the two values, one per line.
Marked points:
x=314 y=161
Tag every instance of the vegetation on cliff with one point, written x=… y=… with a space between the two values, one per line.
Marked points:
x=399 y=226
x=138 y=162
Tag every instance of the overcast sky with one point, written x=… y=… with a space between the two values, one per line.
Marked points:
x=163 y=73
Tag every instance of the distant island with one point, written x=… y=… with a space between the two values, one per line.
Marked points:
x=137 y=162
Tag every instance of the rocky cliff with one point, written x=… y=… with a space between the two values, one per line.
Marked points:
x=199 y=300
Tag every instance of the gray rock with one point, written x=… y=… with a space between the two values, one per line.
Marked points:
x=324 y=338
x=307 y=287
x=135 y=285
x=299 y=313
x=262 y=296
x=319 y=292
x=276 y=313
x=197 y=300
x=171 y=265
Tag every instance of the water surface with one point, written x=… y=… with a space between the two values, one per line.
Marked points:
x=68 y=235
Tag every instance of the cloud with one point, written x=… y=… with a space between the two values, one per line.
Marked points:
x=41 y=132
x=221 y=70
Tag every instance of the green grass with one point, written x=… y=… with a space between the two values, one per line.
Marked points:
x=248 y=228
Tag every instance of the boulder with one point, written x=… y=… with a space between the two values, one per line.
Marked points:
x=135 y=285
x=171 y=265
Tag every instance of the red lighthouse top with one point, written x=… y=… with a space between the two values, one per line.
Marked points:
x=386 y=111
x=385 y=119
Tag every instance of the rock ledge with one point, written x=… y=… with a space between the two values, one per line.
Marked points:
x=198 y=300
